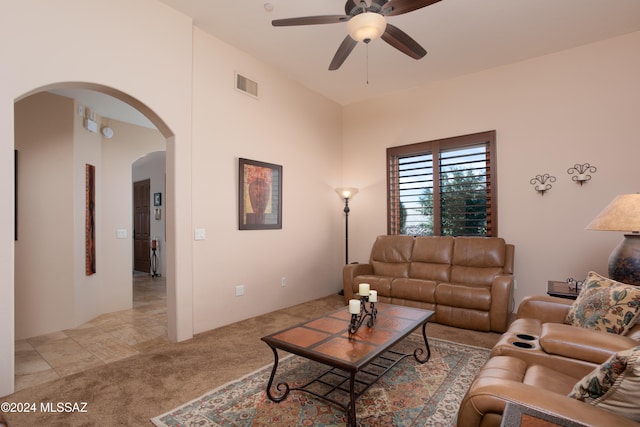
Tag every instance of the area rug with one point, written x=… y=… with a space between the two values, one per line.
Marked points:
x=410 y=394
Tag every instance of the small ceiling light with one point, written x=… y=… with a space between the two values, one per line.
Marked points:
x=268 y=7
x=107 y=132
x=366 y=27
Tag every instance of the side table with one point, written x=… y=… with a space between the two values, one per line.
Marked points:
x=519 y=415
x=561 y=289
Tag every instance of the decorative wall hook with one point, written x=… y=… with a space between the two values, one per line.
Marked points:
x=580 y=171
x=541 y=183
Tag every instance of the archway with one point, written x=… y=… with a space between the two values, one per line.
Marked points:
x=166 y=133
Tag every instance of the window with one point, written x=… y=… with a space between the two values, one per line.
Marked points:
x=443 y=187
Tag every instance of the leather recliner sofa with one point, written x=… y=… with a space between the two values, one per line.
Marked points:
x=467 y=281
x=538 y=362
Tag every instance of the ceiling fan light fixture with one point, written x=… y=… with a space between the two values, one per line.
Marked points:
x=366 y=27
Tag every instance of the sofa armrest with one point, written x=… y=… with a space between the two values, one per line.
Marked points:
x=349 y=272
x=490 y=399
x=582 y=343
x=544 y=308
x=501 y=291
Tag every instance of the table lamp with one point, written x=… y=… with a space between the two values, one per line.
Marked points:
x=622 y=214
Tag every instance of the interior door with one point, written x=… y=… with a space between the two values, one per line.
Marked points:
x=141 y=225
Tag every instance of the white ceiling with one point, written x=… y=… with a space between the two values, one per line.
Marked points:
x=460 y=36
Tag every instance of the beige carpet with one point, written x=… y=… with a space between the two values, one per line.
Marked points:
x=133 y=390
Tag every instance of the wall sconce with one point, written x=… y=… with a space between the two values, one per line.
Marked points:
x=541 y=183
x=581 y=172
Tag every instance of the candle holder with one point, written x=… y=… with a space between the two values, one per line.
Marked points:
x=575 y=285
x=541 y=183
x=154 y=259
x=581 y=172
x=358 y=319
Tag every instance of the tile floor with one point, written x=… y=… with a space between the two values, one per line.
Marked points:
x=105 y=339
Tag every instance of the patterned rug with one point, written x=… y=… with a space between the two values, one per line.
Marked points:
x=410 y=394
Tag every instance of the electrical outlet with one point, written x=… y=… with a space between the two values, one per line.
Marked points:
x=283 y=281
x=239 y=290
x=515 y=284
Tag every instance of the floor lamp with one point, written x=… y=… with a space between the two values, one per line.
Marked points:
x=622 y=214
x=346 y=194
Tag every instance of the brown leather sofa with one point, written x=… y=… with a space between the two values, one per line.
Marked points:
x=537 y=362
x=467 y=281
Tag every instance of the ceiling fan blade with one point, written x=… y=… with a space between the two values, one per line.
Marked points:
x=401 y=41
x=310 y=20
x=343 y=52
x=398 y=7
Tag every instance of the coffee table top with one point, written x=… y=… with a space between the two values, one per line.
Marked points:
x=326 y=339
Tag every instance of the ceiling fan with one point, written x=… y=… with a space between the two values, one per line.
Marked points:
x=366 y=22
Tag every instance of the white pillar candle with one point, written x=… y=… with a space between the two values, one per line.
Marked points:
x=373 y=296
x=354 y=306
x=363 y=289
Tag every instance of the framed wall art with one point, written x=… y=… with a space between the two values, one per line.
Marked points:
x=90 y=221
x=260 y=195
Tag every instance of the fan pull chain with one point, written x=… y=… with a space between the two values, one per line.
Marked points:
x=367 y=63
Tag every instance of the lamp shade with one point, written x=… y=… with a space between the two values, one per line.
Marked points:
x=366 y=26
x=622 y=214
x=346 y=192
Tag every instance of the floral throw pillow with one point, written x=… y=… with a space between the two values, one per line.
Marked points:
x=614 y=385
x=605 y=305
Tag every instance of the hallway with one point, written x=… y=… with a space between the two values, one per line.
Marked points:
x=105 y=339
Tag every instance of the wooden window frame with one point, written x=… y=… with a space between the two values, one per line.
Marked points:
x=435 y=147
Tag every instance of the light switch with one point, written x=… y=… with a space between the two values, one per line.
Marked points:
x=121 y=233
x=200 y=234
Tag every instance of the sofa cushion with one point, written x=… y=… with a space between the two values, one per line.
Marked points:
x=614 y=385
x=391 y=255
x=431 y=258
x=414 y=289
x=471 y=297
x=477 y=260
x=605 y=305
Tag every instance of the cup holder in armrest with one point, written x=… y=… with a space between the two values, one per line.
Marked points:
x=526 y=337
x=522 y=344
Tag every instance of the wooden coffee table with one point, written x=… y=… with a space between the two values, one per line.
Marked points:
x=358 y=362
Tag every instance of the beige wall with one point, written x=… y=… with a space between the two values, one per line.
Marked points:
x=289 y=126
x=119 y=154
x=86 y=151
x=550 y=113
x=44 y=251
